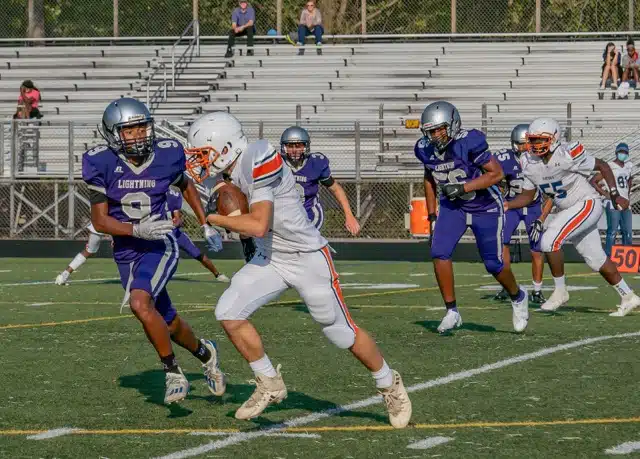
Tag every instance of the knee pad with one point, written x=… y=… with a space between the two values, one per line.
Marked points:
x=93 y=244
x=595 y=259
x=494 y=267
x=340 y=334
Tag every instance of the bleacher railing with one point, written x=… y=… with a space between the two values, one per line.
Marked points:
x=42 y=194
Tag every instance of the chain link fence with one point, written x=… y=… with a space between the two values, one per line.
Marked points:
x=149 y=18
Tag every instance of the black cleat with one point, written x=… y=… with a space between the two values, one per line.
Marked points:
x=537 y=298
x=502 y=295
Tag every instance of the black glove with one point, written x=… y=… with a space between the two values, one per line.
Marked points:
x=212 y=204
x=248 y=248
x=453 y=190
x=432 y=220
x=536 y=231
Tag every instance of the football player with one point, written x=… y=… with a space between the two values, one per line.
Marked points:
x=290 y=252
x=174 y=205
x=562 y=172
x=459 y=163
x=310 y=170
x=91 y=248
x=509 y=159
x=128 y=179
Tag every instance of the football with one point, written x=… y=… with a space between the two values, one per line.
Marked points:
x=231 y=200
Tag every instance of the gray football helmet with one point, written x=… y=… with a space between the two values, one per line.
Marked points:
x=123 y=113
x=519 y=137
x=439 y=114
x=294 y=134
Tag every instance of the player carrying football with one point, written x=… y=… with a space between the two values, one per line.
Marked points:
x=510 y=162
x=290 y=252
x=128 y=179
x=460 y=164
x=562 y=172
x=310 y=170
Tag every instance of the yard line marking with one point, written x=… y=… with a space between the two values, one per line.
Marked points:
x=453 y=377
x=624 y=448
x=351 y=429
x=98 y=279
x=429 y=442
x=53 y=433
x=277 y=434
x=41 y=304
x=5 y=270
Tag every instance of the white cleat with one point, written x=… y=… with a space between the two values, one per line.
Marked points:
x=216 y=381
x=557 y=299
x=61 y=279
x=629 y=303
x=450 y=321
x=177 y=387
x=397 y=401
x=269 y=391
x=222 y=278
x=520 y=313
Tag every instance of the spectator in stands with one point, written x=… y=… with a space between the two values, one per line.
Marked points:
x=630 y=62
x=610 y=66
x=310 y=24
x=243 y=22
x=28 y=101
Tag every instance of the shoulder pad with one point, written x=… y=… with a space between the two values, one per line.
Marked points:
x=317 y=156
x=475 y=140
x=97 y=151
x=575 y=150
x=266 y=163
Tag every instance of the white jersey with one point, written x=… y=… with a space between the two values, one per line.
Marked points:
x=565 y=178
x=260 y=175
x=622 y=175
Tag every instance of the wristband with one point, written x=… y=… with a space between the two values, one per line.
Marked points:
x=433 y=217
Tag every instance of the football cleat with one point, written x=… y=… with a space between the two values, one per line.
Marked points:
x=397 y=402
x=537 y=298
x=222 y=278
x=216 y=381
x=450 y=321
x=502 y=295
x=61 y=279
x=177 y=387
x=520 y=316
x=629 y=303
x=268 y=391
x=557 y=299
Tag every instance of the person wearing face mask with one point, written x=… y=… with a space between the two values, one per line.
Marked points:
x=621 y=219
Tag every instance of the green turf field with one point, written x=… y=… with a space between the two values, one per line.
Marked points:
x=70 y=360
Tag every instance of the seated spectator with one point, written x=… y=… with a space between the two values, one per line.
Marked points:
x=310 y=24
x=243 y=20
x=610 y=66
x=630 y=62
x=28 y=101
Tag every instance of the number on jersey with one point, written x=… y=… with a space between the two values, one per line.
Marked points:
x=554 y=190
x=452 y=177
x=136 y=205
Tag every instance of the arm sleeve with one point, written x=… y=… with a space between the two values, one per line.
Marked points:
x=252 y=15
x=267 y=169
x=92 y=176
x=235 y=17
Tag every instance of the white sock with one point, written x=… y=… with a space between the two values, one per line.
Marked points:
x=622 y=288
x=77 y=261
x=264 y=367
x=559 y=281
x=537 y=286
x=384 y=376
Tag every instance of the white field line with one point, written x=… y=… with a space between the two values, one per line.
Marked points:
x=53 y=433
x=429 y=442
x=453 y=377
x=98 y=279
x=624 y=448
x=277 y=434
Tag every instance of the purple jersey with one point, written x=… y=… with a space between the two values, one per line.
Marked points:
x=174 y=199
x=461 y=161
x=513 y=176
x=313 y=171
x=134 y=192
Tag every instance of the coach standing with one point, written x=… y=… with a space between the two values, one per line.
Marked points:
x=243 y=20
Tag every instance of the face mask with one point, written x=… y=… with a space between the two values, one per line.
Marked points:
x=622 y=156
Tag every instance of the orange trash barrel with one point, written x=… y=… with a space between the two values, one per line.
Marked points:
x=418 y=218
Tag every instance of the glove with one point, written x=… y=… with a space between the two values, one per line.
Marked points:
x=152 y=230
x=212 y=238
x=248 y=248
x=212 y=204
x=536 y=231
x=453 y=190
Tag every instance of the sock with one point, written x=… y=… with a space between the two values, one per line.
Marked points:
x=559 y=281
x=518 y=296
x=264 y=367
x=451 y=305
x=537 y=286
x=622 y=288
x=202 y=353
x=384 y=376
x=65 y=275
x=170 y=363
x=77 y=261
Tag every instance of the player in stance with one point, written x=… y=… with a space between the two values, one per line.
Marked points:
x=91 y=248
x=128 y=179
x=460 y=164
x=510 y=162
x=310 y=170
x=562 y=172
x=174 y=204
x=290 y=252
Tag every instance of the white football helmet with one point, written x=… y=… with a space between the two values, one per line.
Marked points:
x=215 y=140
x=543 y=136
